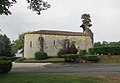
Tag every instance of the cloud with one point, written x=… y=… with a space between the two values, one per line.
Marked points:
x=65 y=15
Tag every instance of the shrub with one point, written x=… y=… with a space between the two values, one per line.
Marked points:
x=71 y=57
x=9 y=58
x=71 y=50
x=105 y=50
x=92 y=58
x=40 y=55
x=82 y=52
x=61 y=53
x=5 y=66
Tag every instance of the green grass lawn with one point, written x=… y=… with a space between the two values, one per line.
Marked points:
x=54 y=59
x=53 y=78
x=45 y=60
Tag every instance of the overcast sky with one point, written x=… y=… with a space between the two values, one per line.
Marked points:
x=65 y=15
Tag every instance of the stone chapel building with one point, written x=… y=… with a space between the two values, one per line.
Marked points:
x=51 y=41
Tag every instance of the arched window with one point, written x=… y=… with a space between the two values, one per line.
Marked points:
x=66 y=44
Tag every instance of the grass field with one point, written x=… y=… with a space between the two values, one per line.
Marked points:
x=110 y=58
x=54 y=78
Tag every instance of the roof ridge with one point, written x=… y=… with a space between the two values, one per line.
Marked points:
x=57 y=32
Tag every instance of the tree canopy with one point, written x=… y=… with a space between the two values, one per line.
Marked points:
x=35 y=5
x=86 y=21
x=5 y=46
x=18 y=44
x=5 y=5
x=86 y=17
x=107 y=44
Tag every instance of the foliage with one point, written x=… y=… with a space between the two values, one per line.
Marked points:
x=40 y=55
x=82 y=52
x=61 y=53
x=5 y=46
x=9 y=58
x=105 y=50
x=72 y=50
x=38 y=5
x=107 y=44
x=71 y=57
x=18 y=44
x=86 y=17
x=5 y=66
x=5 y=5
x=86 y=21
x=93 y=58
x=35 y=5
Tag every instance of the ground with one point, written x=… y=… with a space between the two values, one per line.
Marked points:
x=65 y=68
x=62 y=73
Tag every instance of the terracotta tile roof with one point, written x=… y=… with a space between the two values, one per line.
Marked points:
x=53 y=32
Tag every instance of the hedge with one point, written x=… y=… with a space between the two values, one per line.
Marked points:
x=71 y=57
x=82 y=52
x=5 y=66
x=92 y=58
x=105 y=50
x=9 y=58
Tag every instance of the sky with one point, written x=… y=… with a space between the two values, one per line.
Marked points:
x=65 y=15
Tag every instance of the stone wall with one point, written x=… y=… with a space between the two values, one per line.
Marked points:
x=53 y=43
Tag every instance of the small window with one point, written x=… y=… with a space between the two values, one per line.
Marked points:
x=41 y=40
x=30 y=44
x=54 y=42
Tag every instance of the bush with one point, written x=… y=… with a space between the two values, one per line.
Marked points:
x=71 y=50
x=40 y=55
x=82 y=52
x=71 y=57
x=5 y=66
x=9 y=58
x=105 y=50
x=61 y=53
x=92 y=58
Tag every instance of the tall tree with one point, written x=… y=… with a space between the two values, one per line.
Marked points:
x=86 y=21
x=38 y=5
x=5 y=46
x=18 y=44
x=35 y=5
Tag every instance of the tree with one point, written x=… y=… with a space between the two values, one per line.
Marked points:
x=104 y=43
x=86 y=21
x=35 y=5
x=107 y=44
x=5 y=46
x=18 y=44
x=5 y=5
x=38 y=5
x=97 y=44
